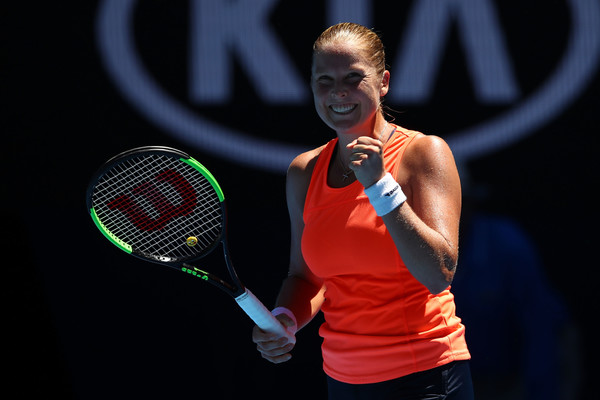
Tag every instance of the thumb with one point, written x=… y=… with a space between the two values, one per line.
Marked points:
x=286 y=318
x=286 y=321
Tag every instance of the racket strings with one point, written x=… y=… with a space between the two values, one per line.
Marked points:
x=155 y=203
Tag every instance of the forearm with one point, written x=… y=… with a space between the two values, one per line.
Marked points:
x=427 y=254
x=303 y=297
x=423 y=222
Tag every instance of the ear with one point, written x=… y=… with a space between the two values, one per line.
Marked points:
x=385 y=83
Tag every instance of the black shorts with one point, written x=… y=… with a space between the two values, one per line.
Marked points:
x=447 y=382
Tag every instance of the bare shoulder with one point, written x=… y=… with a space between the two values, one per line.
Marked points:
x=298 y=177
x=301 y=167
x=427 y=153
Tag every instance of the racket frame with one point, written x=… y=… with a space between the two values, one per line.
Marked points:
x=242 y=295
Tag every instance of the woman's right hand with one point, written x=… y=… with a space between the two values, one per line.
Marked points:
x=272 y=346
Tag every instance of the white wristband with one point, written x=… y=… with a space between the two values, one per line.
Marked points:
x=385 y=195
x=282 y=310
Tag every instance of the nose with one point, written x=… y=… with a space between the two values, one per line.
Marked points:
x=338 y=91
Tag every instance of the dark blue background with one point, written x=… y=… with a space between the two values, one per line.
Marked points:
x=84 y=321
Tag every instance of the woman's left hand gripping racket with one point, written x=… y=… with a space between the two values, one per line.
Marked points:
x=161 y=205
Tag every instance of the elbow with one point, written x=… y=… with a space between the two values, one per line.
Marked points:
x=436 y=289
x=445 y=277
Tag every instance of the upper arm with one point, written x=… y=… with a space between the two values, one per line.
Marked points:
x=434 y=186
x=297 y=182
x=302 y=291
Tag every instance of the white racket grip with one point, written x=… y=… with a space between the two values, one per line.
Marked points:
x=261 y=316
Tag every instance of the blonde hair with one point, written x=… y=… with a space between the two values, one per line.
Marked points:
x=348 y=31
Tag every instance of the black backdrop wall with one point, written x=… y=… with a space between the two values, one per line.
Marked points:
x=513 y=87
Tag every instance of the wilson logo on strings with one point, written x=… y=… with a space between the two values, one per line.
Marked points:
x=163 y=207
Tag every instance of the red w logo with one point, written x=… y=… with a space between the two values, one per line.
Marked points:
x=166 y=210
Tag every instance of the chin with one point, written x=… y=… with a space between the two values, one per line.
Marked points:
x=344 y=123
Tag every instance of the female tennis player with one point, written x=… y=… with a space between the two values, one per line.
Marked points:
x=374 y=219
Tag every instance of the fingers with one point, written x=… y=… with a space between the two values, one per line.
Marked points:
x=364 y=148
x=275 y=352
x=366 y=160
x=272 y=347
x=366 y=144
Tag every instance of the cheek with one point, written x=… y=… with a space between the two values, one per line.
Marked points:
x=369 y=91
x=320 y=107
x=320 y=97
x=320 y=93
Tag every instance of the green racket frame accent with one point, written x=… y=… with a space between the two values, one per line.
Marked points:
x=109 y=235
x=200 y=168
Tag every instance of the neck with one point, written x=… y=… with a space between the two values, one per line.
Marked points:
x=378 y=130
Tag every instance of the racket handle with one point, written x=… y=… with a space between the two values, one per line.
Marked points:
x=261 y=316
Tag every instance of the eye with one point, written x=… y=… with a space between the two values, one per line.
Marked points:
x=324 y=80
x=354 y=77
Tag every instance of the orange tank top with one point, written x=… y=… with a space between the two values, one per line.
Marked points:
x=380 y=322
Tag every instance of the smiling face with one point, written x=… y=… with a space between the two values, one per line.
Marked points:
x=347 y=88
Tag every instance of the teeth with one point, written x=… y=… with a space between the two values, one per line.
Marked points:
x=342 y=108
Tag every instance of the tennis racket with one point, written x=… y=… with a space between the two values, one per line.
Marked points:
x=161 y=205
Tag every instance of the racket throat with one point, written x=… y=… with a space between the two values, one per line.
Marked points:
x=214 y=280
